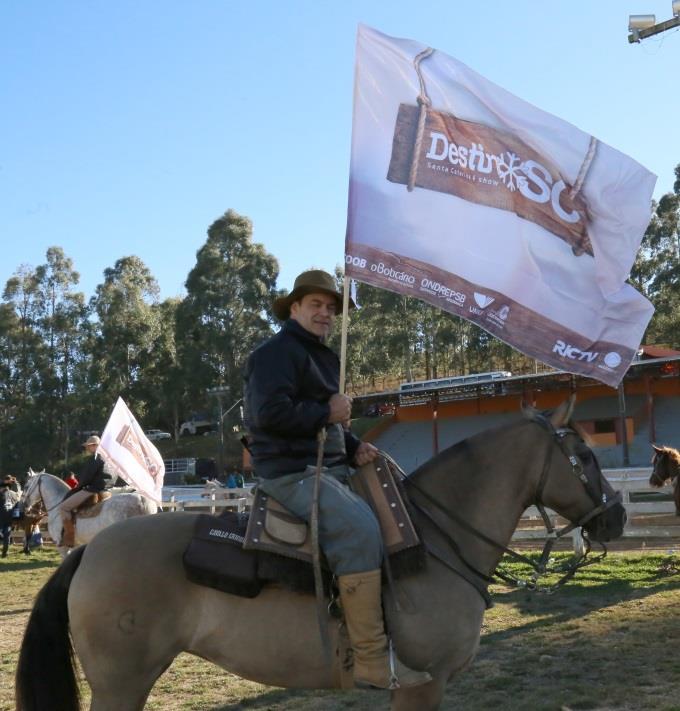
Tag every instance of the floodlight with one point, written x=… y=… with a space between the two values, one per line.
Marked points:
x=642 y=22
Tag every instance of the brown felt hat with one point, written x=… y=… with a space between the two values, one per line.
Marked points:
x=314 y=281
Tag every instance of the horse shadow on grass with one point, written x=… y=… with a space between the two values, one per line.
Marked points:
x=590 y=591
x=332 y=700
x=26 y=563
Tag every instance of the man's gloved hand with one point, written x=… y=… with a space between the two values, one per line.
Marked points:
x=341 y=409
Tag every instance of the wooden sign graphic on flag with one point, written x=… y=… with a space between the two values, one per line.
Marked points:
x=489 y=167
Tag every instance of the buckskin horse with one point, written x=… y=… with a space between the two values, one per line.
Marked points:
x=130 y=609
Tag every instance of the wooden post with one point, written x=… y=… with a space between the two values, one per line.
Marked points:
x=435 y=425
x=624 y=429
x=649 y=403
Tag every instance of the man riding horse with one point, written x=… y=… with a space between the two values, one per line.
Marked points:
x=291 y=393
x=93 y=480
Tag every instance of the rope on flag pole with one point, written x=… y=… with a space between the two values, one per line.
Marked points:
x=343 y=334
x=424 y=102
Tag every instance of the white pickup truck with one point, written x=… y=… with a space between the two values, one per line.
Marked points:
x=196 y=424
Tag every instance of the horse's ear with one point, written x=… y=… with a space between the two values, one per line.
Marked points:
x=658 y=450
x=529 y=411
x=561 y=416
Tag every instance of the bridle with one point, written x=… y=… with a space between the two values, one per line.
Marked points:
x=542 y=567
x=39 y=506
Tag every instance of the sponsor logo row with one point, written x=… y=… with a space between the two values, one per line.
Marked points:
x=605 y=361
x=480 y=305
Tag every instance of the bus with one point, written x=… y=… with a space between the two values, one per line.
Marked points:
x=453 y=382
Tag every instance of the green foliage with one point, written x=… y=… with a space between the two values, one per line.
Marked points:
x=656 y=271
x=227 y=310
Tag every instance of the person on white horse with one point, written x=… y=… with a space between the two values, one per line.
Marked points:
x=291 y=392
x=93 y=480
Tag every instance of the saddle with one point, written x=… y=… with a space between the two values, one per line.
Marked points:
x=239 y=553
x=92 y=506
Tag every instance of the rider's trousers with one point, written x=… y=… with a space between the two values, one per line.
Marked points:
x=349 y=534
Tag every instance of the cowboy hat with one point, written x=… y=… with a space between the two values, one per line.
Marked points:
x=91 y=440
x=314 y=281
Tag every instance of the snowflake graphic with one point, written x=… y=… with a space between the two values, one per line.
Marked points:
x=509 y=171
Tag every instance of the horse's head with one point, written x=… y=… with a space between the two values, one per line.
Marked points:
x=572 y=483
x=666 y=468
x=31 y=496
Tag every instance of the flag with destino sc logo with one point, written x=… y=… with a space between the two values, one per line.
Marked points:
x=481 y=204
x=129 y=454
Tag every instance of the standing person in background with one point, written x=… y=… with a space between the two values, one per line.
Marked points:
x=12 y=484
x=71 y=480
x=8 y=501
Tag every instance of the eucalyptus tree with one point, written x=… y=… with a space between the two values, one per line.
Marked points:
x=125 y=331
x=227 y=308
x=164 y=387
x=656 y=272
x=63 y=328
x=25 y=349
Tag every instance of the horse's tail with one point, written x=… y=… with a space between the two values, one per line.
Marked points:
x=45 y=676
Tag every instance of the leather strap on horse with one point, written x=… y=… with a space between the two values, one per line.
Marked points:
x=321 y=613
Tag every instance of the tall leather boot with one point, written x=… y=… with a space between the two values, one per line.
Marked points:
x=68 y=536
x=5 y=545
x=361 y=603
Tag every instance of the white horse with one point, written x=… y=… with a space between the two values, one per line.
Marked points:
x=49 y=490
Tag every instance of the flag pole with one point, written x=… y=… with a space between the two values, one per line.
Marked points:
x=343 y=335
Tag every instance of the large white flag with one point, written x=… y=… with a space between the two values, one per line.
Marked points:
x=479 y=203
x=129 y=453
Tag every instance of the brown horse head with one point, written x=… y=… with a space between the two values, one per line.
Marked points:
x=665 y=468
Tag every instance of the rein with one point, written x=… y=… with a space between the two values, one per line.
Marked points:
x=540 y=568
x=41 y=501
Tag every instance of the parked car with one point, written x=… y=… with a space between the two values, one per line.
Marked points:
x=197 y=424
x=379 y=410
x=154 y=435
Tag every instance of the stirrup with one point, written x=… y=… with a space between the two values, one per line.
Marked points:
x=394 y=681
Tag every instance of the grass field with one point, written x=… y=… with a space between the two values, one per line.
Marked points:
x=608 y=640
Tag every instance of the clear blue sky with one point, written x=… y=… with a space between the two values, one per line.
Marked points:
x=127 y=127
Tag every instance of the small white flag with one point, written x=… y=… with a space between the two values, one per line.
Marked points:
x=130 y=455
x=353 y=292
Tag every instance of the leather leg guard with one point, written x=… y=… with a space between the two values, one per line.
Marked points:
x=374 y=665
x=68 y=536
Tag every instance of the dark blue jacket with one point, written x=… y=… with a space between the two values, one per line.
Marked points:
x=289 y=380
x=93 y=477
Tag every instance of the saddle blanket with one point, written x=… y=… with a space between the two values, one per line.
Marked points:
x=92 y=507
x=215 y=557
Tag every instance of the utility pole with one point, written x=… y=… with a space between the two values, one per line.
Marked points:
x=644 y=26
x=220 y=393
